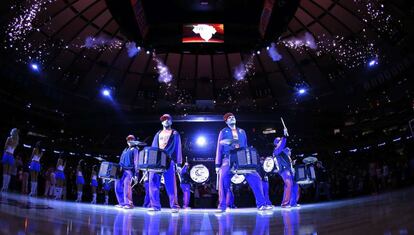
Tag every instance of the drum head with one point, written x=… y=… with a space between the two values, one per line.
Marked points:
x=199 y=173
x=305 y=182
x=237 y=179
x=268 y=165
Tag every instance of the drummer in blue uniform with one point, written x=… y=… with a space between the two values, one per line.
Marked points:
x=287 y=172
x=168 y=140
x=128 y=163
x=239 y=140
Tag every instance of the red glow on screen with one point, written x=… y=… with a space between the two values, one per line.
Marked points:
x=203 y=33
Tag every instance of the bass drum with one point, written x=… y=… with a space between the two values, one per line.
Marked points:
x=199 y=173
x=237 y=179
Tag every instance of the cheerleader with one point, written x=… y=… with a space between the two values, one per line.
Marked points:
x=8 y=158
x=35 y=168
x=80 y=181
x=94 y=184
x=106 y=189
x=60 y=178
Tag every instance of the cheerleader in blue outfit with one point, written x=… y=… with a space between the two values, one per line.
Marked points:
x=106 y=189
x=35 y=168
x=94 y=184
x=80 y=181
x=60 y=178
x=8 y=158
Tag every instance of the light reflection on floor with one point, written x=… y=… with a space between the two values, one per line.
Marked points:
x=390 y=213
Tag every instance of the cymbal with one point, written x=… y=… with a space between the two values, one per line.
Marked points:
x=138 y=143
x=307 y=160
x=229 y=141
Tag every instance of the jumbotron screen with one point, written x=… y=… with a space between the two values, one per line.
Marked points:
x=203 y=33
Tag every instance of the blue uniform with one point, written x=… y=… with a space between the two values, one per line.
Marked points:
x=173 y=149
x=123 y=189
x=8 y=158
x=94 y=183
x=291 y=188
x=35 y=166
x=222 y=161
x=80 y=180
x=107 y=186
x=59 y=175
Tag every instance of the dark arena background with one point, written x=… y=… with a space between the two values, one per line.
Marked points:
x=261 y=116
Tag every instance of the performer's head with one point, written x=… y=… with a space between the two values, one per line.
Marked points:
x=14 y=133
x=287 y=151
x=166 y=120
x=129 y=139
x=277 y=141
x=37 y=145
x=229 y=118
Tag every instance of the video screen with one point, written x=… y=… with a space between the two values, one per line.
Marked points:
x=203 y=33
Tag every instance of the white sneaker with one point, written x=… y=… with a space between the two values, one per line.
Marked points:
x=221 y=210
x=262 y=208
x=153 y=209
x=128 y=207
x=174 y=210
x=268 y=207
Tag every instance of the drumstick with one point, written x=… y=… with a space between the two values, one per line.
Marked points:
x=283 y=123
x=217 y=180
x=284 y=126
x=143 y=177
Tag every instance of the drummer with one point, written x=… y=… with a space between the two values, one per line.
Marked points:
x=168 y=140
x=287 y=172
x=237 y=139
x=127 y=161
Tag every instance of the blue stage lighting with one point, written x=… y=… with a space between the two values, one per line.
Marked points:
x=302 y=91
x=373 y=62
x=106 y=92
x=34 y=66
x=201 y=141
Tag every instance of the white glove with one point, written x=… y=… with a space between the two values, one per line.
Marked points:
x=135 y=179
x=217 y=170
x=285 y=132
x=179 y=169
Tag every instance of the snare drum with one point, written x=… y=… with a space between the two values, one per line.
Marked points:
x=270 y=165
x=304 y=174
x=237 y=179
x=199 y=173
x=244 y=160
x=153 y=159
x=109 y=170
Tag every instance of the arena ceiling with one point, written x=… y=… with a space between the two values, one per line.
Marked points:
x=326 y=47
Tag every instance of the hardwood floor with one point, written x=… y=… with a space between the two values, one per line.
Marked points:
x=389 y=213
